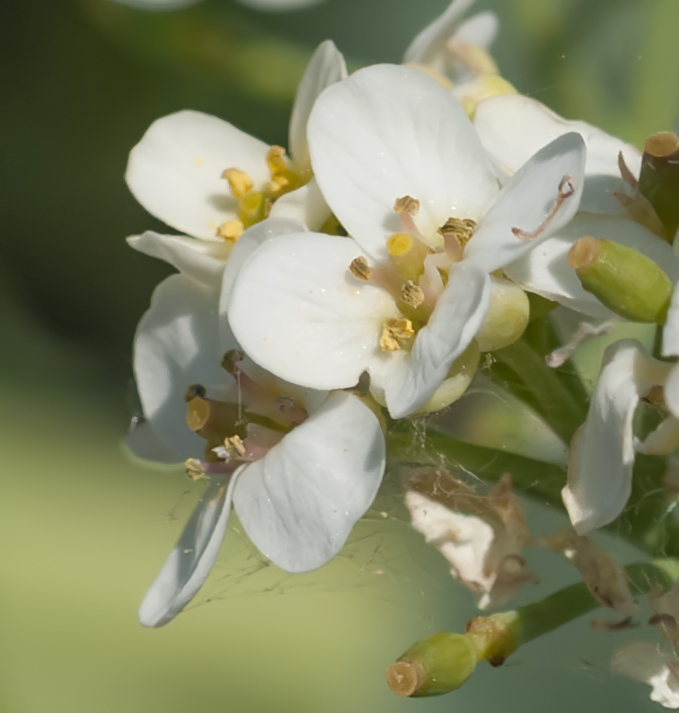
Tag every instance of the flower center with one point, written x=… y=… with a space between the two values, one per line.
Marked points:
x=254 y=206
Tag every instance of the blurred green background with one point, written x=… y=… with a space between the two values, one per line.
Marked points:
x=85 y=531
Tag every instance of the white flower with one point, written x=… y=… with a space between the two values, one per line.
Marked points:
x=400 y=166
x=301 y=468
x=603 y=449
x=433 y=47
x=206 y=178
x=512 y=128
x=270 y=5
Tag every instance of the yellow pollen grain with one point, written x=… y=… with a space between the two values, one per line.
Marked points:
x=239 y=182
x=395 y=331
x=231 y=230
x=194 y=469
x=399 y=244
x=408 y=205
x=234 y=446
x=359 y=268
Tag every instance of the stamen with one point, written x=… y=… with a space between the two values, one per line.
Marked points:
x=229 y=362
x=231 y=230
x=566 y=190
x=626 y=174
x=283 y=180
x=395 y=331
x=458 y=230
x=234 y=446
x=195 y=391
x=239 y=182
x=253 y=207
x=412 y=295
x=194 y=469
x=359 y=268
x=408 y=205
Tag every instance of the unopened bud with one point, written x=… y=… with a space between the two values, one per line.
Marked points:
x=457 y=382
x=626 y=281
x=507 y=316
x=659 y=178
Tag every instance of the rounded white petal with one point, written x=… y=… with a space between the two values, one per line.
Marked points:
x=602 y=451
x=192 y=558
x=513 y=127
x=301 y=501
x=670 y=335
x=430 y=42
x=671 y=390
x=305 y=205
x=413 y=379
x=202 y=260
x=387 y=132
x=252 y=239
x=175 y=170
x=325 y=67
x=299 y=313
x=545 y=270
x=528 y=202
x=177 y=345
x=664 y=440
x=480 y=29
x=645 y=662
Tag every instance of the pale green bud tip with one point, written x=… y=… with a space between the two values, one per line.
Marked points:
x=623 y=279
x=436 y=665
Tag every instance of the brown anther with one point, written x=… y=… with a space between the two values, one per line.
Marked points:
x=234 y=446
x=407 y=204
x=194 y=469
x=395 y=331
x=230 y=360
x=412 y=294
x=566 y=190
x=360 y=269
x=460 y=229
x=627 y=175
x=239 y=181
x=231 y=230
x=195 y=391
x=285 y=403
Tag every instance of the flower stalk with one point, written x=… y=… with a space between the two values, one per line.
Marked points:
x=443 y=662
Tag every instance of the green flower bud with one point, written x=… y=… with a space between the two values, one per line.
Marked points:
x=627 y=282
x=507 y=316
x=436 y=665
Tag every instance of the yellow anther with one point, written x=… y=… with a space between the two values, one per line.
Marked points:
x=359 y=268
x=460 y=229
x=276 y=159
x=234 y=446
x=400 y=244
x=283 y=179
x=408 y=205
x=412 y=295
x=194 y=469
x=395 y=331
x=239 y=182
x=231 y=230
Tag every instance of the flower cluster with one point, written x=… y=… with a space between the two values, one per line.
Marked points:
x=327 y=294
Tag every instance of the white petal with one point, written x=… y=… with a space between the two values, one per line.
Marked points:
x=670 y=335
x=202 y=260
x=300 y=502
x=325 y=67
x=175 y=170
x=247 y=244
x=298 y=312
x=480 y=29
x=391 y=131
x=459 y=312
x=527 y=201
x=192 y=558
x=514 y=127
x=671 y=390
x=602 y=451
x=545 y=270
x=305 y=205
x=142 y=443
x=430 y=42
x=645 y=662
x=664 y=440
x=177 y=344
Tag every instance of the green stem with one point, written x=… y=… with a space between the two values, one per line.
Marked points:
x=443 y=662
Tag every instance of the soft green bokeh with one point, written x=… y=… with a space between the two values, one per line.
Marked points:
x=84 y=530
